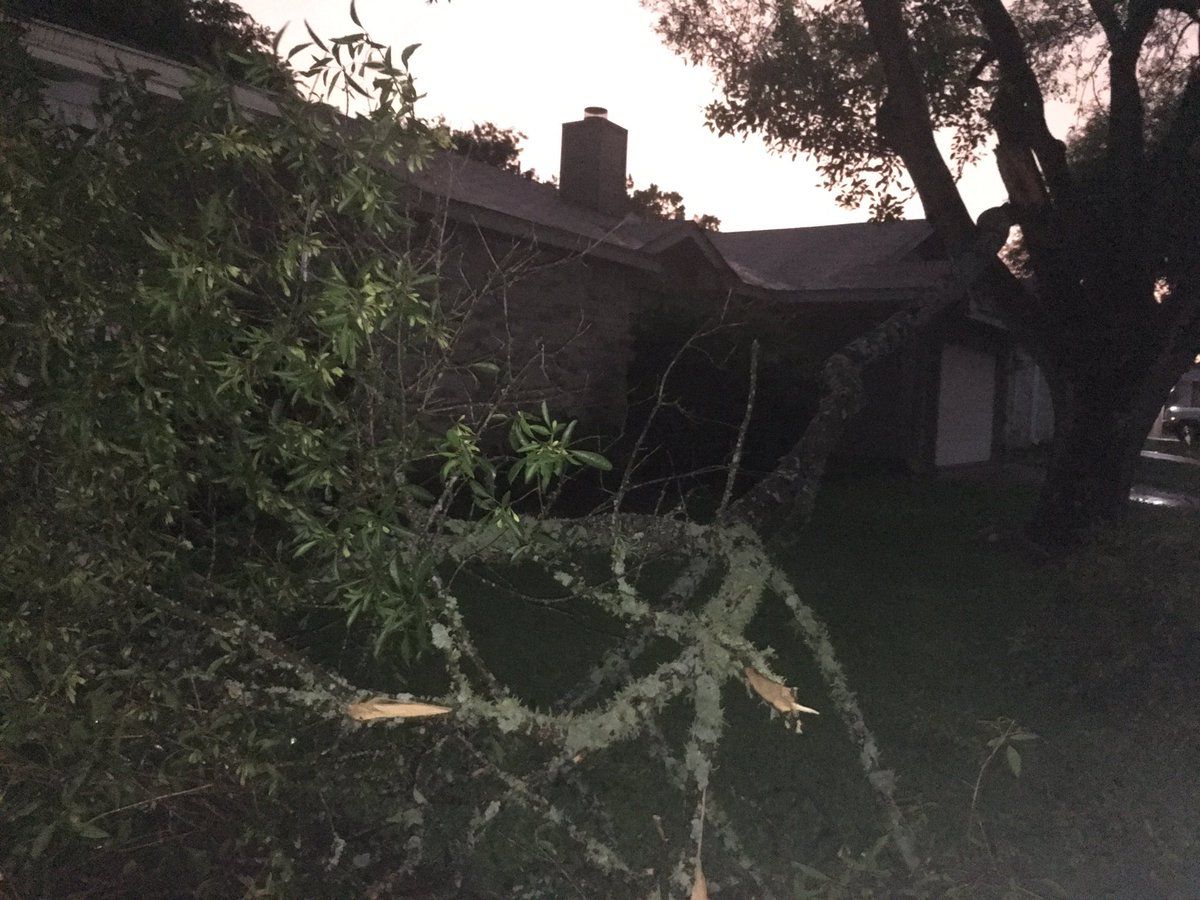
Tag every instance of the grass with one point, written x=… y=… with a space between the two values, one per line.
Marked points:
x=946 y=632
x=1168 y=475
x=943 y=630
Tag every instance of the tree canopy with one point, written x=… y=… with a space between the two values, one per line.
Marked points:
x=491 y=145
x=808 y=79
x=868 y=88
x=655 y=203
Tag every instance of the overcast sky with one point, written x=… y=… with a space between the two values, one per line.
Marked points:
x=534 y=64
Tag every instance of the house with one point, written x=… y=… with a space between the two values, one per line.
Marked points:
x=588 y=303
x=644 y=286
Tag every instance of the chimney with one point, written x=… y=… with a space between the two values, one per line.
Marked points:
x=592 y=171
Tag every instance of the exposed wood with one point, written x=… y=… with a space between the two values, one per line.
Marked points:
x=1023 y=115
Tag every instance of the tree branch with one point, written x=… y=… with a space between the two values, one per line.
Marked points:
x=1019 y=115
x=1106 y=14
x=1140 y=20
x=905 y=124
x=786 y=497
x=977 y=70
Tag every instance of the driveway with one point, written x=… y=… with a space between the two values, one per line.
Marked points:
x=1170 y=457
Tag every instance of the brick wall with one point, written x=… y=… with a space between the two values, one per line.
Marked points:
x=558 y=327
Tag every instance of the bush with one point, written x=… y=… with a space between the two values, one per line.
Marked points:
x=223 y=338
x=239 y=507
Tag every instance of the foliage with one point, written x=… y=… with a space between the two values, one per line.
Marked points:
x=804 y=76
x=248 y=492
x=807 y=78
x=226 y=345
x=655 y=203
x=493 y=146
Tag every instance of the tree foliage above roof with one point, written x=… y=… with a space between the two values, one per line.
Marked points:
x=654 y=203
x=491 y=145
x=806 y=76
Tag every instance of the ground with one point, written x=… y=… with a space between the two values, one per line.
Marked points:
x=946 y=627
x=950 y=632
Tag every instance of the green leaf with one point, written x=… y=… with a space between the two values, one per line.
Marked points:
x=91 y=832
x=1014 y=760
x=815 y=874
x=316 y=40
x=595 y=460
x=38 y=847
x=304 y=548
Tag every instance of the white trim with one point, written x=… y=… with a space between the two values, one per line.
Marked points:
x=96 y=58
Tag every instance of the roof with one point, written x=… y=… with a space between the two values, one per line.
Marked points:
x=831 y=263
x=861 y=256
x=509 y=202
x=789 y=263
x=456 y=178
x=95 y=57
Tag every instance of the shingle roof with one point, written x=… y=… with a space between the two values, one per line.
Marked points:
x=449 y=176
x=863 y=256
x=868 y=257
x=789 y=263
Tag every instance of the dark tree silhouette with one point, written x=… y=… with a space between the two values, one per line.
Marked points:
x=1112 y=310
x=492 y=145
x=655 y=203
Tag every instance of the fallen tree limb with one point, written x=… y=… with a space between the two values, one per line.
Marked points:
x=783 y=501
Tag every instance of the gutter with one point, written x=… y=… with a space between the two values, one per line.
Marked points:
x=98 y=59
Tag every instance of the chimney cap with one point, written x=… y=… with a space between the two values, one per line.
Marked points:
x=595 y=112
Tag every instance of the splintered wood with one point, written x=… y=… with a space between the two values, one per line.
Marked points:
x=780 y=696
x=371 y=710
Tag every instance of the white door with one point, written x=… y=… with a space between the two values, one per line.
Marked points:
x=966 y=406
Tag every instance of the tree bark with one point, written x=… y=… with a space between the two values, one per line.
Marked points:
x=1111 y=348
x=1103 y=412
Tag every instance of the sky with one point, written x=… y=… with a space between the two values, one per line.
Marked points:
x=534 y=64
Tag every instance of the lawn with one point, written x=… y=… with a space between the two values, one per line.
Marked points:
x=944 y=628
x=949 y=633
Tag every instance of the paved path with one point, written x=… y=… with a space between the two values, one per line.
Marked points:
x=1171 y=457
x=1153 y=496
x=1141 y=493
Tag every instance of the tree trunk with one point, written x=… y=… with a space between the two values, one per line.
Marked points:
x=1103 y=413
